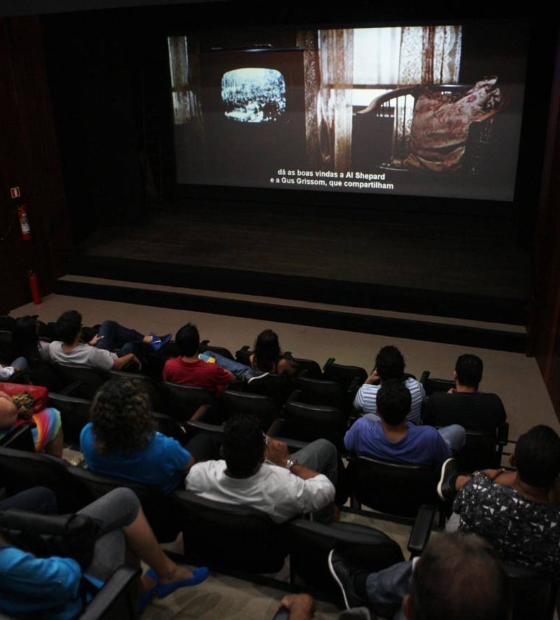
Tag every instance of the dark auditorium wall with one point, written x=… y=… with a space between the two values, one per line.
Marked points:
x=544 y=329
x=28 y=159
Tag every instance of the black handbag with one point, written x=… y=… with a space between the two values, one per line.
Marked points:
x=71 y=536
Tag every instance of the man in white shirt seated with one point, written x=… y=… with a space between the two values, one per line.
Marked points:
x=259 y=472
x=389 y=364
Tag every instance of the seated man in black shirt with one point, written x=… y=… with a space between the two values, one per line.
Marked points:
x=464 y=404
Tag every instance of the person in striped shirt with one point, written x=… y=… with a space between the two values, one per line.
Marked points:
x=389 y=364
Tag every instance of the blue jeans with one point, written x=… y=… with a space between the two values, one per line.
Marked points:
x=114 y=336
x=241 y=372
x=454 y=435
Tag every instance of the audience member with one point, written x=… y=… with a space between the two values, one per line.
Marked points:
x=259 y=472
x=47 y=433
x=40 y=587
x=122 y=441
x=268 y=356
x=189 y=370
x=98 y=353
x=458 y=577
x=389 y=364
x=397 y=440
x=517 y=512
x=18 y=365
x=464 y=404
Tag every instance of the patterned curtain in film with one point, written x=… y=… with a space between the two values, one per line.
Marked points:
x=428 y=55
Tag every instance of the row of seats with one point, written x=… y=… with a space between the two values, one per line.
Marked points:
x=215 y=534
x=319 y=407
x=247 y=542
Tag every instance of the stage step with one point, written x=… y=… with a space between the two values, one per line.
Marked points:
x=466 y=332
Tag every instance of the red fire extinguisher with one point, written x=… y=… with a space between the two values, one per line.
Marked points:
x=24 y=223
x=34 y=286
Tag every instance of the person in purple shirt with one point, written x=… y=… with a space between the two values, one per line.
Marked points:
x=395 y=440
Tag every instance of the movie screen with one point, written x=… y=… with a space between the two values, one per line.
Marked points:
x=412 y=110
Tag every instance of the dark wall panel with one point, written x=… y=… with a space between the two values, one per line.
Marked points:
x=28 y=159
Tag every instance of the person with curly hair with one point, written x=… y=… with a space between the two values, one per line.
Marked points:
x=121 y=439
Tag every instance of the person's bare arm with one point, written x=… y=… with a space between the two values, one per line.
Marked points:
x=199 y=413
x=121 y=362
x=300 y=606
x=285 y=367
x=191 y=462
x=231 y=377
x=493 y=474
x=278 y=453
x=373 y=379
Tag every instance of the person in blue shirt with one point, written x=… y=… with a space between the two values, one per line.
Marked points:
x=121 y=440
x=396 y=440
x=49 y=588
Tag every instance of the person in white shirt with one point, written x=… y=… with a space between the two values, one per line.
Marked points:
x=259 y=472
x=98 y=353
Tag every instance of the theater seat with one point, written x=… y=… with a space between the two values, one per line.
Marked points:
x=157 y=507
x=21 y=470
x=182 y=401
x=264 y=407
x=230 y=537
x=391 y=488
x=311 y=543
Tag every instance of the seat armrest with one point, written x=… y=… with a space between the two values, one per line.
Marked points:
x=122 y=583
x=354 y=386
x=503 y=433
x=69 y=390
x=293 y=444
x=295 y=396
x=204 y=427
x=420 y=533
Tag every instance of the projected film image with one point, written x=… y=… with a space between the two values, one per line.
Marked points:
x=414 y=110
x=254 y=95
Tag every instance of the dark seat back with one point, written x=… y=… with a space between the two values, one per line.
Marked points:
x=170 y=427
x=87 y=380
x=310 y=367
x=435 y=385
x=22 y=470
x=5 y=346
x=344 y=374
x=319 y=392
x=243 y=355
x=181 y=401
x=277 y=387
x=20 y=438
x=156 y=506
x=231 y=537
x=205 y=346
x=534 y=594
x=392 y=488
x=75 y=414
x=45 y=373
x=309 y=422
x=264 y=407
x=311 y=543
x=479 y=452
